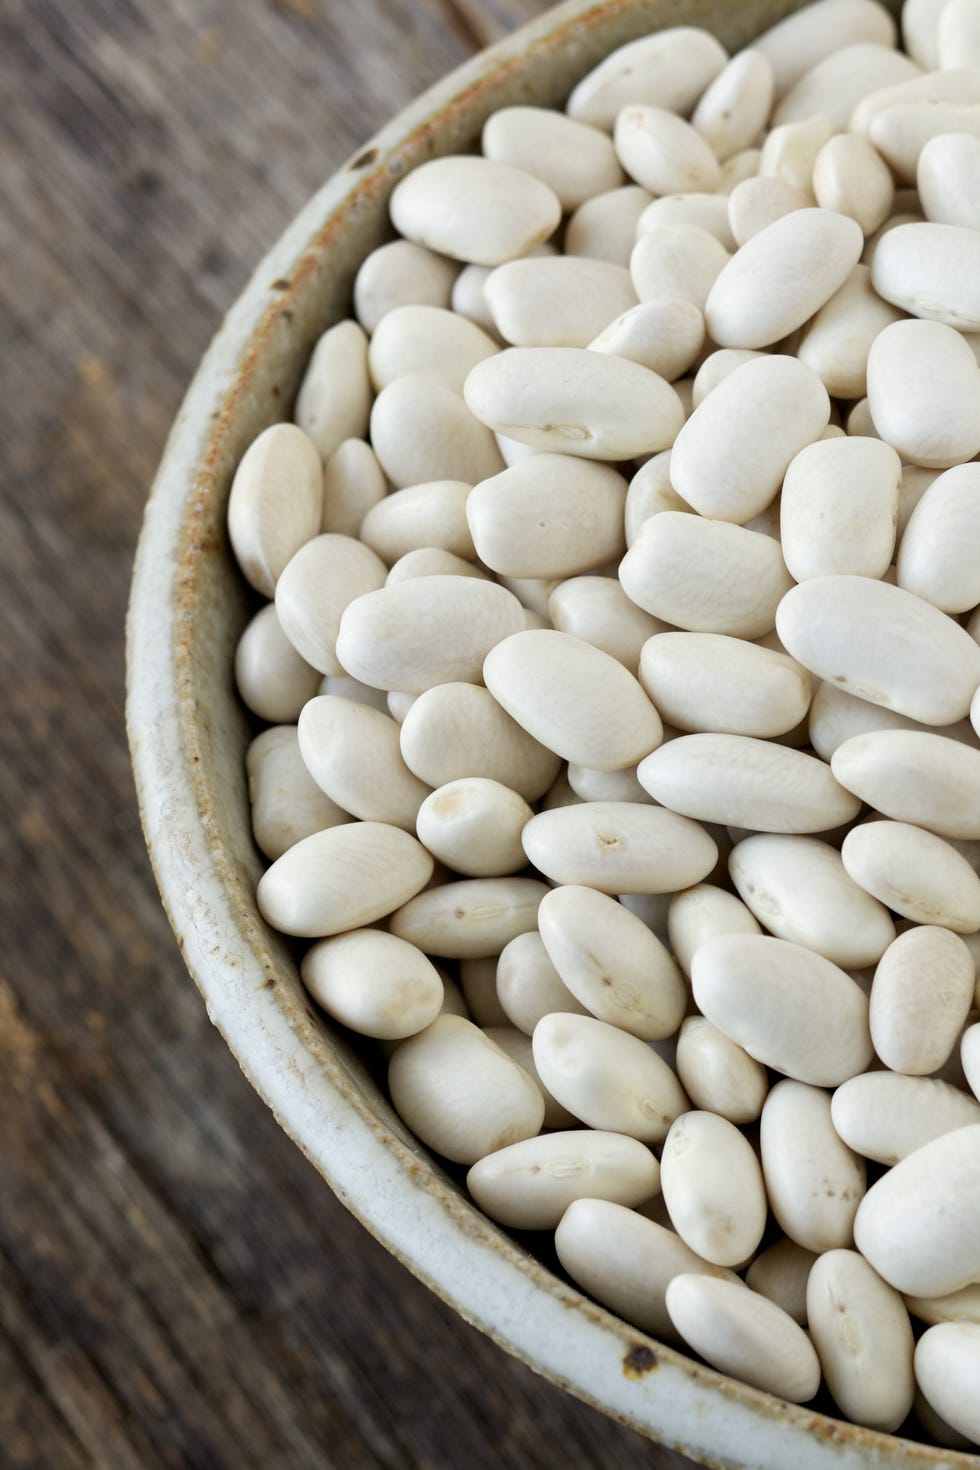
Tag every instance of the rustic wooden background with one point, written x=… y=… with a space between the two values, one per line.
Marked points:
x=177 y=1286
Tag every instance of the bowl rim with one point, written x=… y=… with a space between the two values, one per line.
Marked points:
x=413 y=1210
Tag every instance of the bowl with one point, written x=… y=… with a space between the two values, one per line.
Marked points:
x=188 y=735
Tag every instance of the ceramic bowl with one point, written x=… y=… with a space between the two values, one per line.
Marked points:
x=189 y=733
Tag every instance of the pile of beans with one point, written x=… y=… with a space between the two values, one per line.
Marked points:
x=621 y=644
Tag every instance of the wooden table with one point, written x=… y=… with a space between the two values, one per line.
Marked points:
x=177 y=1286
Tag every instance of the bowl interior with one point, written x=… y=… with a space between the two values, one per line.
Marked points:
x=189 y=734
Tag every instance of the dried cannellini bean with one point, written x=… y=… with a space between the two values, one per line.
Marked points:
x=759 y=201
x=575 y=160
x=886 y=1116
x=863 y=1336
x=798 y=888
x=592 y=785
x=470 y=919
x=924 y=393
x=851 y=177
x=626 y=1261
x=353 y=482
x=914 y=776
x=460 y=1093
x=664 y=335
x=401 y=273
x=958 y=35
x=789 y=1008
x=958 y=85
x=550 y=516
x=708 y=682
x=917 y=1224
x=611 y=962
x=352 y=753
x=719 y=1075
x=518 y=1047
x=529 y=986
x=620 y=847
x=781 y=1273
x=474 y=826
x=920 y=24
x=701 y=912
x=730 y=457
x=804 y=38
x=734 y=108
x=478 y=982
x=315 y=588
x=931 y=271
x=915 y=873
x=570 y=400
x=456 y=730
x=287 y=804
x=530 y=1185
x=342 y=879
x=882 y=644
x=838 y=507
x=334 y=399
x=605 y=226
x=607 y=1078
x=948 y=180
x=540 y=677
x=373 y=982
x=744 y=1334
x=740 y=781
x=957 y=1306
x=473 y=209
x=427 y=631
x=556 y=301
x=672 y=67
x=649 y=493
x=421 y=517
x=814 y=1181
x=781 y=276
x=427 y=340
x=423 y=431
x=677 y=262
x=712 y=1186
x=835 y=85
x=920 y=998
x=790 y=151
x=936 y=559
x=597 y=610
x=947 y=1365
x=275 y=503
x=272 y=678
x=836 y=341
x=707 y=211
x=705 y=576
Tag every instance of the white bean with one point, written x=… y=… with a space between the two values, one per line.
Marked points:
x=460 y=1094
x=549 y=516
x=342 y=878
x=401 y=273
x=948 y=179
x=947 y=1366
x=836 y=341
x=353 y=482
x=473 y=209
x=734 y=108
x=676 y=262
x=275 y=503
x=883 y=644
x=920 y=998
x=457 y=730
x=936 y=559
x=529 y=986
x=918 y=1224
x=885 y=1116
x=744 y=1334
x=422 y=431
x=315 y=588
x=671 y=67
x=474 y=826
x=838 y=508
x=572 y=400
x=708 y=211
x=931 y=271
x=758 y=202
x=712 y=1187
x=597 y=610
x=620 y=847
x=814 y=1181
x=701 y=912
x=530 y=1185
x=863 y=1336
x=665 y=336
x=428 y=631
x=719 y=1075
x=808 y=35
x=915 y=873
x=470 y=919
x=781 y=1273
x=376 y=984
x=850 y=176
x=556 y=301
x=705 y=576
x=789 y=1008
x=271 y=677
x=798 y=888
x=611 y=962
x=605 y=226
x=352 y=753
x=607 y=1078
x=914 y=776
x=924 y=392
x=707 y=682
x=286 y=803
x=781 y=276
x=575 y=160
x=835 y=85
x=334 y=398
x=790 y=151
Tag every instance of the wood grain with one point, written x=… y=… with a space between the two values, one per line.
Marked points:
x=178 y=1288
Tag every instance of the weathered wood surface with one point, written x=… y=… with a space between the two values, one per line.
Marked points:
x=178 y=1287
